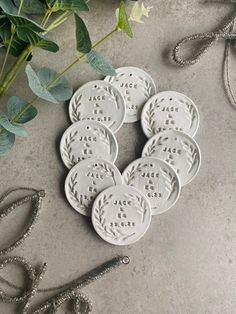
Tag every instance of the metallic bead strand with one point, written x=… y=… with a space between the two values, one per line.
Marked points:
x=224 y=32
x=36 y=198
x=71 y=292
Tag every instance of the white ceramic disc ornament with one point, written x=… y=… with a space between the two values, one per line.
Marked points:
x=86 y=139
x=121 y=215
x=169 y=110
x=177 y=149
x=136 y=86
x=156 y=180
x=98 y=101
x=86 y=180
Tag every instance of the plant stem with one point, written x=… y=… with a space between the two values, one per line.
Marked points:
x=20 y=7
x=47 y=17
x=58 y=21
x=13 y=71
x=11 y=74
x=13 y=30
x=105 y=38
x=7 y=52
x=17 y=116
x=78 y=60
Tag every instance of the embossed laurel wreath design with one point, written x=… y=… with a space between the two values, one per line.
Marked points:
x=74 y=193
x=109 y=90
x=147 y=87
x=130 y=174
x=104 y=137
x=67 y=149
x=101 y=223
x=152 y=148
x=190 y=111
x=76 y=114
x=191 y=153
x=170 y=182
x=111 y=79
x=150 y=116
x=104 y=169
x=139 y=202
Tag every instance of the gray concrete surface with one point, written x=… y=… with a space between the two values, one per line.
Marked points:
x=186 y=264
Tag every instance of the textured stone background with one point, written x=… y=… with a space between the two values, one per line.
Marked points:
x=186 y=262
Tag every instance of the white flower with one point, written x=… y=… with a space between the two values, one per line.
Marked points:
x=138 y=11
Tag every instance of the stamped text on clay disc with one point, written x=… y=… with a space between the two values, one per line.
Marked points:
x=169 y=110
x=86 y=139
x=156 y=180
x=98 y=101
x=136 y=86
x=177 y=149
x=86 y=180
x=121 y=215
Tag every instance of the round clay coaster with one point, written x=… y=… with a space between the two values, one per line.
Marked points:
x=86 y=139
x=177 y=149
x=98 y=101
x=136 y=86
x=121 y=215
x=86 y=180
x=156 y=180
x=169 y=110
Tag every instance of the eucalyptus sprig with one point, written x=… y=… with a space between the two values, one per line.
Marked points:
x=20 y=35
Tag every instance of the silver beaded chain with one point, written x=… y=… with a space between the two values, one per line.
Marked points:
x=224 y=32
x=69 y=291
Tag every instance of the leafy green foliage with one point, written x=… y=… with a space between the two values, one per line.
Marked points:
x=17 y=45
x=20 y=31
x=5 y=30
x=123 y=21
x=83 y=40
x=7 y=141
x=26 y=32
x=36 y=40
x=64 y=5
x=8 y=7
x=31 y=6
x=10 y=127
x=40 y=84
x=20 y=21
x=100 y=64
x=16 y=106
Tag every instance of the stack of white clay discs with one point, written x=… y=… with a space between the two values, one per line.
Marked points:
x=121 y=206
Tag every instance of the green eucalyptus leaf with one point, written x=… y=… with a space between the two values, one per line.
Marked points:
x=20 y=21
x=5 y=29
x=17 y=46
x=8 y=7
x=10 y=127
x=83 y=40
x=64 y=5
x=7 y=141
x=123 y=21
x=16 y=105
x=36 y=40
x=39 y=82
x=37 y=87
x=100 y=64
x=31 y=6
